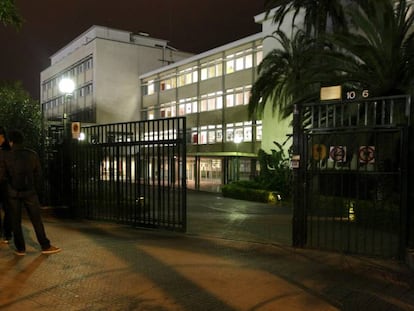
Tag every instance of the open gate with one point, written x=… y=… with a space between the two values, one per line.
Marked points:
x=354 y=175
x=132 y=173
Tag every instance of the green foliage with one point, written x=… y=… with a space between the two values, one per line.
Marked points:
x=9 y=15
x=287 y=75
x=20 y=111
x=316 y=14
x=379 y=56
x=376 y=54
x=275 y=174
x=236 y=190
x=275 y=178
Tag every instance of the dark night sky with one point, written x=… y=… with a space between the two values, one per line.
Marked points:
x=190 y=25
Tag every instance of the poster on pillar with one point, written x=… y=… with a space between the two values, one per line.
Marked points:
x=76 y=130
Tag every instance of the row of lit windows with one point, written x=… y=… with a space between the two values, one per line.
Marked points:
x=81 y=92
x=233 y=132
x=208 y=102
x=71 y=73
x=232 y=63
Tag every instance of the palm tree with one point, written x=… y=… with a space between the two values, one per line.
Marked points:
x=317 y=14
x=290 y=74
x=379 y=55
x=9 y=14
x=284 y=76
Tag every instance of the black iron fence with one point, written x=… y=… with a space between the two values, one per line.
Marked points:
x=355 y=176
x=132 y=173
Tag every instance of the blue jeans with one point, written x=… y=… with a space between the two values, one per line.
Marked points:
x=31 y=203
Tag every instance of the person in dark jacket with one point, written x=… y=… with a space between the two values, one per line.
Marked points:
x=5 y=223
x=22 y=170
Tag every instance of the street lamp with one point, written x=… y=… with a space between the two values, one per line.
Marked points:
x=66 y=86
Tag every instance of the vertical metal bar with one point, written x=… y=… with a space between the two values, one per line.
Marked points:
x=299 y=221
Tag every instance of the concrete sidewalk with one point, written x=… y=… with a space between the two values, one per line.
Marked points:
x=112 y=267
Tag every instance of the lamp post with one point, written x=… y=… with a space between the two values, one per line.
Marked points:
x=66 y=86
x=237 y=140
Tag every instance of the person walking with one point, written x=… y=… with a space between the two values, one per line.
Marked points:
x=5 y=222
x=21 y=169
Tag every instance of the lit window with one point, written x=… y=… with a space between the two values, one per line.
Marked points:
x=259 y=57
x=249 y=61
x=150 y=87
x=239 y=99
x=188 y=108
x=195 y=107
x=211 y=103
x=151 y=114
x=203 y=135
x=230 y=66
x=181 y=110
x=219 y=70
x=229 y=100
x=239 y=63
x=204 y=75
x=194 y=135
x=219 y=102
x=258 y=130
x=219 y=135
x=203 y=104
x=229 y=132
x=211 y=136
x=247 y=133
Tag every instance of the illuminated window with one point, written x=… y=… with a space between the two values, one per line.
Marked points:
x=230 y=99
x=187 y=76
x=187 y=106
x=239 y=96
x=211 y=134
x=149 y=88
x=258 y=130
x=259 y=57
x=219 y=102
x=204 y=74
x=181 y=110
x=239 y=63
x=230 y=64
x=219 y=134
x=247 y=131
x=194 y=135
x=249 y=61
x=168 y=110
x=151 y=114
x=229 y=132
x=203 y=104
x=211 y=69
x=167 y=83
x=203 y=135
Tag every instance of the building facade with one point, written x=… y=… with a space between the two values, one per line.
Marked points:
x=104 y=64
x=122 y=77
x=212 y=91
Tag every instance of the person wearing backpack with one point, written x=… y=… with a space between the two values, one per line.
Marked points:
x=21 y=169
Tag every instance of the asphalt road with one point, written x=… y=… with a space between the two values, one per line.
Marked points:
x=211 y=214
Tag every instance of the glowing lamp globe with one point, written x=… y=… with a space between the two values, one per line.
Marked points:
x=66 y=86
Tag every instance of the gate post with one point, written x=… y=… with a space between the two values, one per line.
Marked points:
x=299 y=230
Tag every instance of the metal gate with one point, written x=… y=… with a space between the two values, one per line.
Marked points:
x=132 y=173
x=355 y=175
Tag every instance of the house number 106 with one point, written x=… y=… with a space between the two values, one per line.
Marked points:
x=353 y=94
